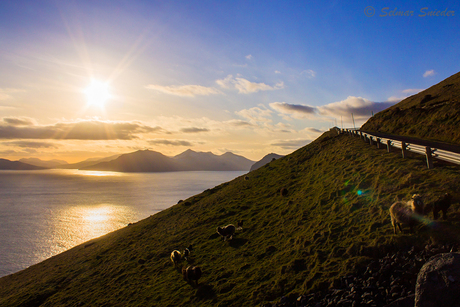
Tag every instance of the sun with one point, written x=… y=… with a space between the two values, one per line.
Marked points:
x=97 y=93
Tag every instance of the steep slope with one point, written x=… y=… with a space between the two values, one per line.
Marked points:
x=16 y=165
x=267 y=159
x=433 y=114
x=333 y=220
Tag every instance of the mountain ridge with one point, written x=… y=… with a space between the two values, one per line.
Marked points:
x=189 y=160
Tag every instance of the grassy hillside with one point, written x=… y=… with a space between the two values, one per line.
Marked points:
x=433 y=114
x=333 y=220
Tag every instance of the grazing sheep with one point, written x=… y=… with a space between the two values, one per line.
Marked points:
x=186 y=253
x=284 y=192
x=402 y=212
x=176 y=257
x=240 y=225
x=227 y=231
x=191 y=273
x=442 y=204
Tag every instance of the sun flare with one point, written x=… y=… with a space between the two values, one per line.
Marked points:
x=97 y=93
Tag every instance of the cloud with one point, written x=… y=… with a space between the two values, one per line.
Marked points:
x=256 y=115
x=170 y=142
x=19 y=121
x=5 y=93
x=361 y=108
x=238 y=123
x=296 y=110
x=429 y=73
x=412 y=90
x=185 y=90
x=31 y=144
x=249 y=57
x=245 y=86
x=194 y=130
x=291 y=144
x=82 y=130
x=277 y=72
x=309 y=73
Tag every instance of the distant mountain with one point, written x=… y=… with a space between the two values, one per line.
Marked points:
x=46 y=164
x=267 y=159
x=432 y=114
x=88 y=162
x=16 y=165
x=191 y=160
x=151 y=161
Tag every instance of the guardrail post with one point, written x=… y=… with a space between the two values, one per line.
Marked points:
x=429 y=157
x=371 y=140
x=378 y=143
x=404 y=149
x=361 y=135
x=389 y=145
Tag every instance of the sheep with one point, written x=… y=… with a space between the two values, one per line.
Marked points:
x=226 y=232
x=191 y=273
x=186 y=253
x=442 y=204
x=283 y=192
x=176 y=257
x=402 y=212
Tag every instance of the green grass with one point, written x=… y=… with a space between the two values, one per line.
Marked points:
x=433 y=114
x=333 y=221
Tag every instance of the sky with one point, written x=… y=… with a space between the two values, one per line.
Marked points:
x=85 y=79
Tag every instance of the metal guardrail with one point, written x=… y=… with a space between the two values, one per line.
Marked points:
x=430 y=152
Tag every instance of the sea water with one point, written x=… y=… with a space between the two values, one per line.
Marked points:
x=43 y=213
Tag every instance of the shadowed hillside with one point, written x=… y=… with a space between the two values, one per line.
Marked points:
x=433 y=114
x=333 y=220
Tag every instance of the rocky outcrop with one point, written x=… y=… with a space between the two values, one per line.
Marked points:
x=438 y=282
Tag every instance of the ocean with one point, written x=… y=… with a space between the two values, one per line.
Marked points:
x=43 y=213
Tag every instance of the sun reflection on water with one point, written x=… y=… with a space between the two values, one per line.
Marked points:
x=78 y=224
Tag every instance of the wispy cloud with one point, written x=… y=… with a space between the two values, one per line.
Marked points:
x=194 y=130
x=309 y=73
x=19 y=121
x=256 y=115
x=249 y=57
x=295 y=110
x=81 y=130
x=185 y=90
x=170 y=142
x=31 y=144
x=429 y=73
x=406 y=93
x=6 y=93
x=245 y=86
x=291 y=144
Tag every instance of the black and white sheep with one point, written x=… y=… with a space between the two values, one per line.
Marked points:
x=191 y=274
x=227 y=231
x=442 y=204
x=402 y=212
x=176 y=257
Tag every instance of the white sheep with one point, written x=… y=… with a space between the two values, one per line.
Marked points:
x=176 y=257
x=402 y=212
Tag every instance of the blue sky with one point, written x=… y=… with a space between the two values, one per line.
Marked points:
x=251 y=77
